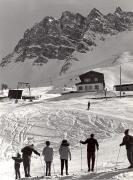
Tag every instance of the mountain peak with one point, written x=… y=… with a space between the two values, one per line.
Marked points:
x=66 y=14
x=73 y=25
x=60 y=38
x=47 y=19
x=118 y=10
x=95 y=12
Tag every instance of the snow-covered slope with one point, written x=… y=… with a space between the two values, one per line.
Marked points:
x=54 y=118
x=107 y=57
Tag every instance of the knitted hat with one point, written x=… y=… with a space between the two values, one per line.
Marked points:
x=64 y=142
x=92 y=135
x=47 y=143
x=126 y=131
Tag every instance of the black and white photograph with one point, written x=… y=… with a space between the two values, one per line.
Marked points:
x=66 y=89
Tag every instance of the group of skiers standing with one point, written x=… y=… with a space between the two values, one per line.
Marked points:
x=65 y=154
x=47 y=152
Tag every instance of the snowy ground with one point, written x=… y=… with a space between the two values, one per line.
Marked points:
x=54 y=117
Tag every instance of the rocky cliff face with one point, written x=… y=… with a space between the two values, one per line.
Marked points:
x=59 y=38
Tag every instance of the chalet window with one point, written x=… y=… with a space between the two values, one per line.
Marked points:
x=80 y=88
x=87 y=80
x=90 y=87
x=86 y=88
x=97 y=87
x=96 y=79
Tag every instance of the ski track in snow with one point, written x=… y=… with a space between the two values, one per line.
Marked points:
x=36 y=122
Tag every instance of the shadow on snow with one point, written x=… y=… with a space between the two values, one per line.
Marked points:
x=104 y=175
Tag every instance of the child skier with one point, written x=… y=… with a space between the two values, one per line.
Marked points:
x=17 y=160
x=48 y=157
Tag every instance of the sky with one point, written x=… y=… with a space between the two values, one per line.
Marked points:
x=18 y=15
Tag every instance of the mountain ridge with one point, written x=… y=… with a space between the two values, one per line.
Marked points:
x=60 y=39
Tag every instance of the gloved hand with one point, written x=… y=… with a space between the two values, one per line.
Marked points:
x=120 y=145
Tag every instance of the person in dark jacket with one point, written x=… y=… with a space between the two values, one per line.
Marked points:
x=128 y=142
x=65 y=153
x=27 y=152
x=89 y=105
x=92 y=145
x=17 y=160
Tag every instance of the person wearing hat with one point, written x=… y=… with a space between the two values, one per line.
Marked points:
x=48 y=157
x=27 y=152
x=128 y=142
x=92 y=145
x=17 y=160
x=64 y=152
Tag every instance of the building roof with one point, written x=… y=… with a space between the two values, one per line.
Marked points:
x=91 y=72
x=88 y=83
x=123 y=85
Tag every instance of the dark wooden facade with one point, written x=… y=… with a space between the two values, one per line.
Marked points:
x=124 y=87
x=91 y=81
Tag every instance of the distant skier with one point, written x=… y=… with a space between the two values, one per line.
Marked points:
x=48 y=157
x=27 y=152
x=92 y=144
x=89 y=105
x=128 y=142
x=17 y=160
x=64 y=152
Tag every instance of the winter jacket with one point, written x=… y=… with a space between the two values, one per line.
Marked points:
x=48 y=154
x=17 y=160
x=92 y=144
x=127 y=141
x=64 y=152
x=27 y=151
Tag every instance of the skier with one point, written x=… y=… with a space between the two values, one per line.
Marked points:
x=92 y=144
x=64 y=152
x=27 y=152
x=48 y=157
x=128 y=142
x=89 y=105
x=17 y=160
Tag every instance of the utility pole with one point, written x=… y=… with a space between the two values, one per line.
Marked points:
x=120 y=81
x=50 y=80
x=105 y=92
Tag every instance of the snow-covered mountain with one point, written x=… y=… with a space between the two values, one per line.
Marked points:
x=58 y=50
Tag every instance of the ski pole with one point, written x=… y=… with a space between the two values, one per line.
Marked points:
x=43 y=167
x=117 y=157
x=81 y=155
x=53 y=168
x=96 y=160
